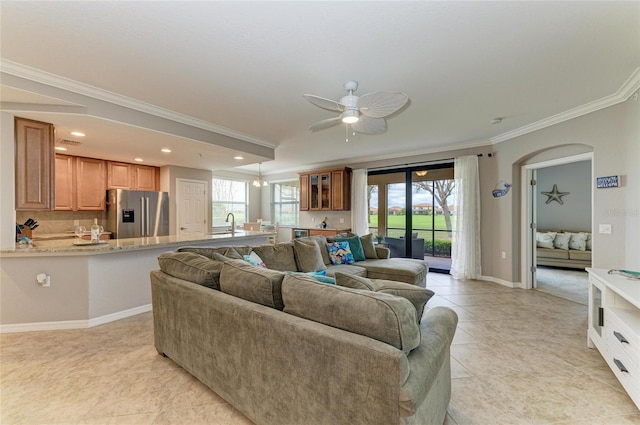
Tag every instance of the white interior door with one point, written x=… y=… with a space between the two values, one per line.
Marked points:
x=191 y=199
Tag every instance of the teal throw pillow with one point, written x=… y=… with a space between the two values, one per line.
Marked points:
x=355 y=244
x=340 y=253
x=320 y=276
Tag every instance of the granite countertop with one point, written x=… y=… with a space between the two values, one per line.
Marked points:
x=67 y=247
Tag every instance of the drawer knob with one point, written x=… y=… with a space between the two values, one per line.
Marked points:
x=620 y=365
x=620 y=337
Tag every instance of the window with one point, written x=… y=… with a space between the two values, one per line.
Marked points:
x=229 y=196
x=286 y=201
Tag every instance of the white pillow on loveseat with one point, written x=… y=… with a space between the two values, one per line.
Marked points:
x=545 y=240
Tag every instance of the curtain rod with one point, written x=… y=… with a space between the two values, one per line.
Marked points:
x=421 y=163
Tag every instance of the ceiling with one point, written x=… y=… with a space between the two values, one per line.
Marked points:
x=241 y=68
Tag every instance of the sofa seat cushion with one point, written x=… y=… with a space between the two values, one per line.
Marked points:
x=560 y=254
x=252 y=283
x=414 y=294
x=379 y=316
x=346 y=268
x=193 y=267
x=580 y=255
x=278 y=256
x=399 y=269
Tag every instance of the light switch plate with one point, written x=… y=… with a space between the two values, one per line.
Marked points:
x=605 y=228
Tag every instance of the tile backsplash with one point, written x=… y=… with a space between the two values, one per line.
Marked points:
x=61 y=221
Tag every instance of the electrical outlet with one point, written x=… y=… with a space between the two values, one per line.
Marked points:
x=605 y=228
x=313 y=219
x=504 y=255
x=76 y=223
x=342 y=221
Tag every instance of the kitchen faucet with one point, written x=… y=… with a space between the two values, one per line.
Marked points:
x=233 y=223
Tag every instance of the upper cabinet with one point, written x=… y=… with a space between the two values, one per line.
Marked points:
x=122 y=175
x=326 y=190
x=34 y=165
x=80 y=183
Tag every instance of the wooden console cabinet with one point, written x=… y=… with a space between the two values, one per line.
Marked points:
x=614 y=326
x=326 y=190
x=34 y=165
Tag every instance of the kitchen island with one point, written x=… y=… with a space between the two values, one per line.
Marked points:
x=89 y=284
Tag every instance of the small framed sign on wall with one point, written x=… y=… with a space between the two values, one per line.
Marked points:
x=607 y=182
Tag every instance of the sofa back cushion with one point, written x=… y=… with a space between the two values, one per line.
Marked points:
x=414 y=294
x=368 y=247
x=278 y=256
x=252 y=283
x=205 y=251
x=376 y=315
x=193 y=267
x=308 y=255
x=545 y=239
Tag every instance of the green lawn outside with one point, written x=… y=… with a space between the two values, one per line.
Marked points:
x=433 y=228
x=419 y=221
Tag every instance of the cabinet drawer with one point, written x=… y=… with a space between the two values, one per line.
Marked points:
x=620 y=338
x=627 y=372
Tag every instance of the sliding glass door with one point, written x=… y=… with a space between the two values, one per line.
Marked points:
x=414 y=211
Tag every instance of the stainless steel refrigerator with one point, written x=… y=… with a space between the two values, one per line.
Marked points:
x=137 y=213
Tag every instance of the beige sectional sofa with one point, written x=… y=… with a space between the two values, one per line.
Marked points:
x=302 y=255
x=285 y=349
x=560 y=248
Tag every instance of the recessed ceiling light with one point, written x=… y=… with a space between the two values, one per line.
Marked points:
x=165 y=150
x=238 y=157
x=60 y=148
x=138 y=159
x=77 y=133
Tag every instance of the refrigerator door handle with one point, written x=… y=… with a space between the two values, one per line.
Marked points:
x=142 y=216
x=148 y=232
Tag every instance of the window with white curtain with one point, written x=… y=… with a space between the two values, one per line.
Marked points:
x=285 y=202
x=229 y=196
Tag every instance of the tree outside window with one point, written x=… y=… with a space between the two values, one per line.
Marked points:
x=229 y=196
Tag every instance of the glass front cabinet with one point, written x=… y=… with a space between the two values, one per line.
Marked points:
x=326 y=190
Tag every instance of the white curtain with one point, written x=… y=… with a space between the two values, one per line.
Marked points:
x=465 y=248
x=359 y=217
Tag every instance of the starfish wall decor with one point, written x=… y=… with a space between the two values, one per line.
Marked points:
x=555 y=195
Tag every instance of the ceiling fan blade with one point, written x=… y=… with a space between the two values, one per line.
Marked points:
x=329 y=104
x=381 y=104
x=325 y=123
x=370 y=125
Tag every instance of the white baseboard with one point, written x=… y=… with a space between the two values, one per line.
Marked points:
x=500 y=281
x=73 y=324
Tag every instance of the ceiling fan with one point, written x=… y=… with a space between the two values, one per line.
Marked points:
x=364 y=113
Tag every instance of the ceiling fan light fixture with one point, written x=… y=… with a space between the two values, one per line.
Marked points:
x=350 y=117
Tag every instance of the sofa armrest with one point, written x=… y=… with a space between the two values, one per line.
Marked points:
x=383 y=252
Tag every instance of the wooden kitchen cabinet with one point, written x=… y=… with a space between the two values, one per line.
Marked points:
x=80 y=183
x=122 y=175
x=91 y=184
x=34 y=165
x=304 y=192
x=326 y=190
x=146 y=177
x=119 y=175
x=65 y=183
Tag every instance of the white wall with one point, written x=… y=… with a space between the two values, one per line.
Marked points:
x=612 y=135
x=575 y=211
x=7 y=177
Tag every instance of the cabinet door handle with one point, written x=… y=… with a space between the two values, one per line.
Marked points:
x=620 y=337
x=620 y=365
x=600 y=316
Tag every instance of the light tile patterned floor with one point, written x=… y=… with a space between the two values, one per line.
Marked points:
x=518 y=357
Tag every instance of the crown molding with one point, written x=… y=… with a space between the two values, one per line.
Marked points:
x=43 y=77
x=628 y=88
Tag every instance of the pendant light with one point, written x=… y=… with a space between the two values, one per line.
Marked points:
x=260 y=181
